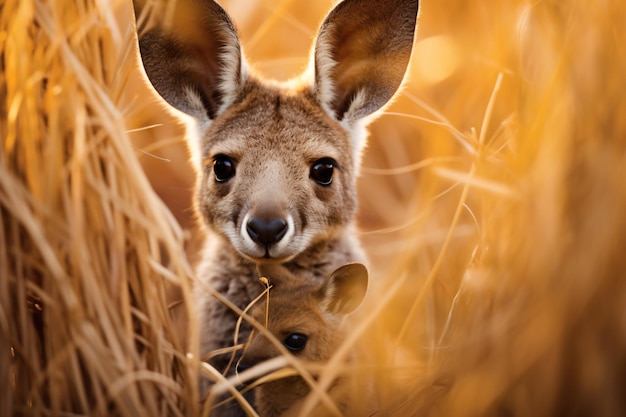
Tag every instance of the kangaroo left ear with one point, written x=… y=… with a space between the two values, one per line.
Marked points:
x=192 y=55
x=345 y=288
x=361 y=55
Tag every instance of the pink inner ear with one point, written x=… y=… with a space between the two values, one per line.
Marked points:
x=362 y=52
x=345 y=288
x=194 y=59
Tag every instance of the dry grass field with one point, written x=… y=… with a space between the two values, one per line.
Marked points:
x=492 y=208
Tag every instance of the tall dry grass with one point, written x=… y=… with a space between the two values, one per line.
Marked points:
x=492 y=206
x=88 y=253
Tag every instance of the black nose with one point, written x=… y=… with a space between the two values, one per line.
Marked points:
x=266 y=232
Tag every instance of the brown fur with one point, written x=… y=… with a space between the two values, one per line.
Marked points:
x=274 y=134
x=305 y=306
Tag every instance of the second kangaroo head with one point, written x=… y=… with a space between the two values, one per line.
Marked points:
x=308 y=317
x=278 y=162
x=278 y=175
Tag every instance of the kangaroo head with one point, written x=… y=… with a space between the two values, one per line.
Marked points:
x=277 y=162
x=308 y=317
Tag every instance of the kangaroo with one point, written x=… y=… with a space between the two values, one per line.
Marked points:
x=309 y=318
x=277 y=162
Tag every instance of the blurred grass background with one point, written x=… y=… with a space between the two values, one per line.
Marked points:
x=492 y=203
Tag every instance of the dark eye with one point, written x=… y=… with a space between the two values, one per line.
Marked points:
x=224 y=168
x=295 y=341
x=322 y=171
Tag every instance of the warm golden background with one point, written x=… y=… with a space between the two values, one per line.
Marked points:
x=492 y=207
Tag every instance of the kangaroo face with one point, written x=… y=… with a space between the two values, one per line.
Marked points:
x=308 y=318
x=277 y=162
x=278 y=174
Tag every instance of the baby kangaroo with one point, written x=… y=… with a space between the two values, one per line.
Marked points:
x=309 y=318
x=277 y=162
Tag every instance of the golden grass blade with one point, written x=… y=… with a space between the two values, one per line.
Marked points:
x=90 y=250
x=226 y=386
x=494 y=231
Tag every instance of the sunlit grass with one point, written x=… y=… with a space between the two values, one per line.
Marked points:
x=492 y=205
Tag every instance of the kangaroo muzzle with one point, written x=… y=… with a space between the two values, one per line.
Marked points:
x=266 y=232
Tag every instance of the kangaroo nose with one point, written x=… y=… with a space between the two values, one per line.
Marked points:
x=266 y=232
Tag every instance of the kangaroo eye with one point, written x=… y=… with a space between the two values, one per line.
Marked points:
x=322 y=171
x=224 y=168
x=295 y=341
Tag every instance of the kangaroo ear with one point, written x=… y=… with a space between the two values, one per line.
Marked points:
x=191 y=55
x=361 y=55
x=345 y=288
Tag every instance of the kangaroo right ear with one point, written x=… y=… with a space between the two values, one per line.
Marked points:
x=361 y=55
x=191 y=55
x=345 y=288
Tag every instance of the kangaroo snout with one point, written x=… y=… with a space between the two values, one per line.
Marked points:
x=267 y=228
x=266 y=231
